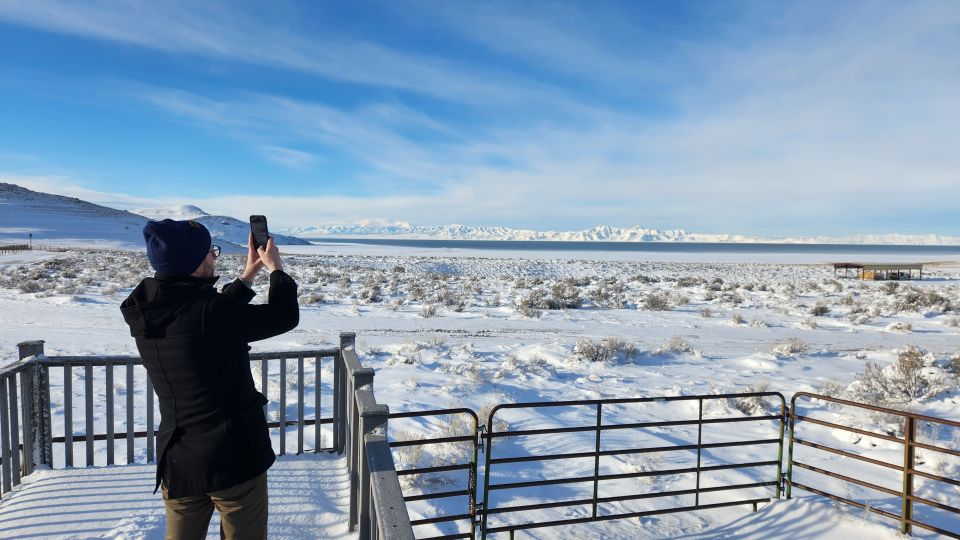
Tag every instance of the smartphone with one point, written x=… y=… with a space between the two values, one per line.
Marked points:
x=258 y=226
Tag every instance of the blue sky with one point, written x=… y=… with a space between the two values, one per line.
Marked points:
x=757 y=118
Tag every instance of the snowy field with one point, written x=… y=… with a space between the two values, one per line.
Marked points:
x=457 y=328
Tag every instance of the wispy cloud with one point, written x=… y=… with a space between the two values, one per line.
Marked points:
x=221 y=32
x=293 y=159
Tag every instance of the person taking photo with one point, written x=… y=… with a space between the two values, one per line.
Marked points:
x=213 y=446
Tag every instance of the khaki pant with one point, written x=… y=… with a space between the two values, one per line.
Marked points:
x=243 y=512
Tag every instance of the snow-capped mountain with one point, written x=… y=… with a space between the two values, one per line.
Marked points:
x=596 y=234
x=179 y=212
x=222 y=228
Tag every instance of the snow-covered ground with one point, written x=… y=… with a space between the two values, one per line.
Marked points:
x=457 y=328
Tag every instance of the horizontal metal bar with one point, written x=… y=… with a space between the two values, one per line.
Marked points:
x=637 y=425
x=122 y=435
x=935 y=448
x=306 y=422
x=631 y=451
x=935 y=504
x=929 y=527
x=895 y=412
x=623 y=476
x=847 y=454
x=310 y=353
x=17 y=367
x=624 y=401
x=839 y=476
x=838 y=498
x=847 y=428
x=669 y=423
x=935 y=477
x=57 y=361
x=434 y=412
x=620 y=498
x=441 y=519
x=439 y=440
x=623 y=516
x=124 y=359
x=441 y=495
x=441 y=468
x=544 y=431
x=448 y=536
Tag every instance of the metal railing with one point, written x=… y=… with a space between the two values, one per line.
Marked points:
x=29 y=437
x=14 y=248
x=377 y=508
x=906 y=471
x=596 y=431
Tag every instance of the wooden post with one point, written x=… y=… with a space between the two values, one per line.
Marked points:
x=39 y=421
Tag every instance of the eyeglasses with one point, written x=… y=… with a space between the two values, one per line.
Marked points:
x=215 y=250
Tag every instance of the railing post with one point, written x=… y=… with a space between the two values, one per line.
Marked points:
x=41 y=437
x=699 y=450
x=906 y=506
x=596 y=459
x=340 y=391
x=373 y=421
x=792 y=411
x=362 y=378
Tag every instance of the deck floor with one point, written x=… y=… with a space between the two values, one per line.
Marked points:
x=308 y=499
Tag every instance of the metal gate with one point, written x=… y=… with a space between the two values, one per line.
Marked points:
x=563 y=456
x=599 y=484
x=901 y=486
x=422 y=462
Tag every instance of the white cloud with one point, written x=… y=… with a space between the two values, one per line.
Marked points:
x=293 y=159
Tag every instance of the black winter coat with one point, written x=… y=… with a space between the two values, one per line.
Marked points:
x=193 y=342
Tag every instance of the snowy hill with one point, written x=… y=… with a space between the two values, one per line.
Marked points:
x=66 y=221
x=600 y=233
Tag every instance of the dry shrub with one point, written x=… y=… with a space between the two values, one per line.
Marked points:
x=911 y=377
x=753 y=404
x=676 y=344
x=656 y=301
x=566 y=295
x=900 y=326
x=587 y=349
x=428 y=310
x=790 y=347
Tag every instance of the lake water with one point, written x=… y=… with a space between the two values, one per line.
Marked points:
x=920 y=252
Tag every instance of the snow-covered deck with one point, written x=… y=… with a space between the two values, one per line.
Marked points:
x=309 y=498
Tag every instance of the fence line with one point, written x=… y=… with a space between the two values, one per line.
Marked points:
x=359 y=430
x=14 y=248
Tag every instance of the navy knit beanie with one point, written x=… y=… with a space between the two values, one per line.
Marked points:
x=176 y=247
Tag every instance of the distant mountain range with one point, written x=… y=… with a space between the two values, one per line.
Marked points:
x=70 y=221
x=597 y=234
